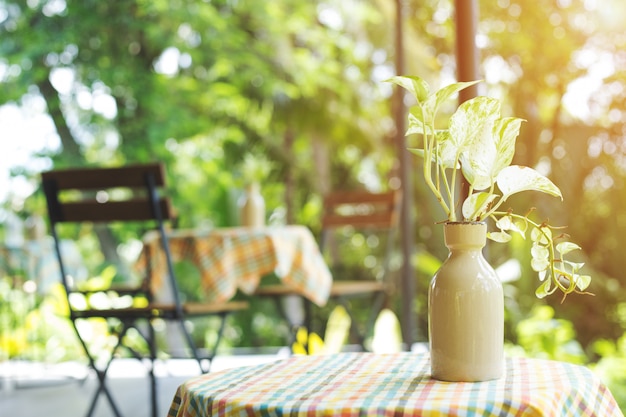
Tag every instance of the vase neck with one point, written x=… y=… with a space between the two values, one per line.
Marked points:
x=465 y=236
x=253 y=187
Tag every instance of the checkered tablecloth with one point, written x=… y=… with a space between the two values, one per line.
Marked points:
x=367 y=384
x=236 y=258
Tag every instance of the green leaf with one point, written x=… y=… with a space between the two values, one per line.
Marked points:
x=505 y=132
x=426 y=263
x=427 y=105
x=446 y=151
x=541 y=235
x=604 y=347
x=469 y=120
x=566 y=247
x=504 y=223
x=476 y=205
x=542 y=275
x=477 y=160
x=514 y=179
x=539 y=264
x=522 y=226
x=414 y=85
x=445 y=156
x=539 y=252
x=417 y=151
x=471 y=130
x=448 y=91
x=416 y=122
x=420 y=152
x=543 y=290
x=582 y=281
x=575 y=266
x=500 y=237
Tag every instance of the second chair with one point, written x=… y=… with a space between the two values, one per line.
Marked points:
x=369 y=220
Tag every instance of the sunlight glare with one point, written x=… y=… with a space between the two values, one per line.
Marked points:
x=580 y=92
x=62 y=80
x=167 y=63
x=577 y=96
x=24 y=133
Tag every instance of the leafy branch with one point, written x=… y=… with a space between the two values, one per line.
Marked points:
x=554 y=273
x=480 y=144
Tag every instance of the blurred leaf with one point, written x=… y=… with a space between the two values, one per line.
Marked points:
x=337 y=329
x=426 y=263
x=387 y=333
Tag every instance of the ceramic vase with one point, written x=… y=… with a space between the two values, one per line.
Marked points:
x=466 y=310
x=252 y=206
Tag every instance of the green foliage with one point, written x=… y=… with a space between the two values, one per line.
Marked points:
x=478 y=142
x=542 y=335
x=255 y=168
x=283 y=80
x=611 y=368
x=33 y=327
x=481 y=144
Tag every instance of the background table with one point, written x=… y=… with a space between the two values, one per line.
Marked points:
x=236 y=258
x=358 y=384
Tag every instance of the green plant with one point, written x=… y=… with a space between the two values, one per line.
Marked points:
x=255 y=168
x=611 y=368
x=542 y=335
x=480 y=144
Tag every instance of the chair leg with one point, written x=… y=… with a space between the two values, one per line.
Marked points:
x=153 y=381
x=355 y=332
x=294 y=325
x=213 y=350
x=102 y=388
x=100 y=374
x=308 y=320
x=377 y=307
x=193 y=348
x=149 y=337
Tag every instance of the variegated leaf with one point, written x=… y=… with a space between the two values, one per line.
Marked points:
x=514 y=179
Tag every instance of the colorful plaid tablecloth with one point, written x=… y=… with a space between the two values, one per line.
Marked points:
x=238 y=257
x=367 y=384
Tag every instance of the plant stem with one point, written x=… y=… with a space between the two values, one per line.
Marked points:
x=554 y=272
x=429 y=141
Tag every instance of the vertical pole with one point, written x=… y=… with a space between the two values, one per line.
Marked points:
x=466 y=51
x=407 y=277
x=466 y=56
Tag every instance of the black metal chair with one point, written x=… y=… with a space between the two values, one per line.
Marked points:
x=370 y=216
x=98 y=200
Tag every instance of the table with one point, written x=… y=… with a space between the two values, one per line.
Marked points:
x=397 y=384
x=236 y=258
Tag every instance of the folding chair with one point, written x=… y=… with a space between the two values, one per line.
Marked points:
x=92 y=198
x=354 y=215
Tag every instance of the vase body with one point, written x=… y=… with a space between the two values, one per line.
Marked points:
x=252 y=206
x=466 y=310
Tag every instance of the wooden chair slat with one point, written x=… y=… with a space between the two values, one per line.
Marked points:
x=96 y=179
x=129 y=210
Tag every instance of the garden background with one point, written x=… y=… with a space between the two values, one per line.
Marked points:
x=203 y=84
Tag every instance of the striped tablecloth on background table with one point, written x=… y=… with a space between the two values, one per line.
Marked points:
x=236 y=258
x=367 y=384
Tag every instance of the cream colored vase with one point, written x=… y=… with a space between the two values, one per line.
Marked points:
x=252 y=206
x=466 y=310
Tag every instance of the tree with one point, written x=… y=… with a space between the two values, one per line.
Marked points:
x=198 y=85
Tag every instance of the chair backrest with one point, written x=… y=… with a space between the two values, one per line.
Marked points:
x=362 y=211
x=108 y=195
x=98 y=195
